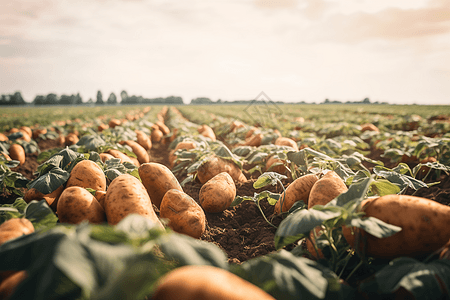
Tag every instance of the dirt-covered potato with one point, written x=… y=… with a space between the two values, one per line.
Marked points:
x=215 y=165
x=218 y=193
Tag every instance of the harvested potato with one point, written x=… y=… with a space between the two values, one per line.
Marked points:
x=16 y=152
x=141 y=153
x=298 y=190
x=205 y=283
x=207 y=131
x=180 y=145
x=105 y=156
x=76 y=204
x=71 y=139
x=156 y=135
x=127 y=195
x=279 y=168
x=143 y=139
x=218 y=193
x=215 y=165
x=87 y=174
x=164 y=129
x=285 y=141
x=184 y=214
x=421 y=221
x=157 y=179
x=123 y=157
x=33 y=194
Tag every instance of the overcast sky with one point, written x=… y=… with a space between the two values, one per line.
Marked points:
x=294 y=50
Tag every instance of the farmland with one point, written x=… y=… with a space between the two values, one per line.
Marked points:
x=355 y=153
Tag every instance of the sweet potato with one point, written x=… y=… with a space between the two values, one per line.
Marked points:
x=9 y=284
x=123 y=157
x=218 y=193
x=105 y=156
x=20 y=226
x=71 y=139
x=114 y=122
x=204 y=283
x=215 y=165
x=141 y=153
x=156 y=135
x=87 y=174
x=253 y=140
x=164 y=129
x=285 y=141
x=16 y=152
x=184 y=214
x=369 y=127
x=423 y=224
x=33 y=194
x=100 y=196
x=270 y=165
x=157 y=180
x=27 y=130
x=127 y=195
x=207 y=131
x=76 y=204
x=180 y=145
x=3 y=137
x=143 y=139
x=298 y=190
x=102 y=127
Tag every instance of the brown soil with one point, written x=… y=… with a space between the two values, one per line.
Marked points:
x=240 y=231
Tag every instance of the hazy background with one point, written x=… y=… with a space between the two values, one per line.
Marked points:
x=387 y=50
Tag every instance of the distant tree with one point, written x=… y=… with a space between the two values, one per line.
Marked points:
x=51 y=99
x=39 y=100
x=99 y=98
x=4 y=100
x=16 y=99
x=124 y=96
x=201 y=100
x=366 y=101
x=90 y=101
x=327 y=101
x=78 y=99
x=112 y=99
x=65 y=100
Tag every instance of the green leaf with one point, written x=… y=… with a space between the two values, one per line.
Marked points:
x=268 y=178
x=40 y=214
x=375 y=227
x=356 y=192
x=383 y=187
x=91 y=142
x=50 y=181
x=298 y=225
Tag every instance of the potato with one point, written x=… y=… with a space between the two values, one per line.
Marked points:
x=114 y=122
x=141 y=153
x=100 y=196
x=157 y=180
x=102 y=127
x=180 y=145
x=123 y=157
x=76 y=204
x=328 y=187
x=215 y=165
x=164 y=129
x=87 y=174
x=16 y=152
x=207 y=131
x=143 y=139
x=280 y=169
x=218 y=193
x=20 y=226
x=27 y=130
x=127 y=195
x=33 y=194
x=71 y=139
x=105 y=156
x=423 y=224
x=184 y=214
x=253 y=140
x=156 y=135
x=298 y=190
x=369 y=127
x=205 y=283
x=9 y=284
x=3 y=138
x=61 y=140
x=285 y=141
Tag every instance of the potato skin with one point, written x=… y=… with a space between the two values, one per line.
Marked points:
x=20 y=226
x=123 y=157
x=298 y=190
x=87 y=174
x=16 y=152
x=215 y=165
x=156 y=135
x=33 y=194
x=218 y=193
x=157 y=180
x=285 y=141
x=328 y=187
x=143 y=139
x=141 y=153
x=423 y=224
x=207 y=131
x=105 y=156
x=127 y=195
x=204 y=283
x=280 y=169
x=184 y=214
x=76 y=204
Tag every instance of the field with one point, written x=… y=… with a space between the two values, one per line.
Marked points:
x=356 y=153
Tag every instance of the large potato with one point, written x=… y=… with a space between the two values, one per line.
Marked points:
x=298 y=190
x=76 y=204
x=126 y=195
x=215 y=165
x=157 y=179
x=184 y=214
x=87 y=174
x=16 y=152
x=218 y=193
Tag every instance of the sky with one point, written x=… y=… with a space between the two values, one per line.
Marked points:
x=395 y=51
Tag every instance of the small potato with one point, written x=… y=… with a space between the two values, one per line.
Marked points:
x=184 y=214
x=298 y=190
x=76 y=204
x=123 y=157
x=71 y=139
x=33 y=194
x=102 y=127
x=156 y=135
x=105 y=156
x=16 y=152
x=126 y=195
x=207 y=131
x=20 y=226
x=157 y=179
x=215 y=165
x=114 y=122
x=87 y=174
x=143 y=139
x=218 y=193
x=206 y=283
x=141 y=153
x=279 y=168
x=285 y=141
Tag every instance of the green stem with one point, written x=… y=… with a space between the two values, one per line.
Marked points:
x=264 y=216
x=354 y=270
x=334 y=251
x=347 y=259
x=284 y=195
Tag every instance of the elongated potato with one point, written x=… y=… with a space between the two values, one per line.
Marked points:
x=123 y=157
x=157 y=180
x=298 y=190
x=280 y=169
x=87 y=174
x=423 y=222
x=127 y=195
x=207 y=131
x=328 y=187
x=215 y=165
x=105 y=156
x=285 y=141
x=184 y=214
x=218 y=193
x=164 y=129
x=71 y=139
x=156 y=135
x=33 y=194
x=206 y=283
x=143 y=139
x=141 y=153
x=3 y=137
x=16 y=152
x=76 y=204
x=180 y=145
